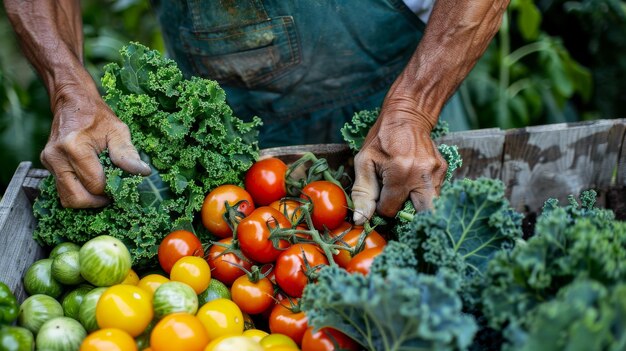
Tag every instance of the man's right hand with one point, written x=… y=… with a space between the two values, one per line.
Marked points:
x=82 y=128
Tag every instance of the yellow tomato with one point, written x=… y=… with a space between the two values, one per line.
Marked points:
x=280 y=348
x=108 y=339
x=255 y=334
x=151 y=282
x=131 y=278
x=221 y=317
x=179 y=332
x=276 y=339
x=126 y=307
x=193 y=271
x=231 y=343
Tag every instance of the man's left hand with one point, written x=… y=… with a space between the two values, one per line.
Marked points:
x=398 y=160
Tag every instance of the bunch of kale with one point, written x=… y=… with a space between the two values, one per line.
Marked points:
x=186 y=132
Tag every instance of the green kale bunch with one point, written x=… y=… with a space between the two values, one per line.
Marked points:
x=399 y=309
x=561 y=280
x=584 y=315
x=183 y=129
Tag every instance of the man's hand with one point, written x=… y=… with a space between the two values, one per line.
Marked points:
x=51 y=36
x=82 y=128
x=398 y=150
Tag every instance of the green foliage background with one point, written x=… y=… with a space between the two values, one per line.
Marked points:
x=553 y=61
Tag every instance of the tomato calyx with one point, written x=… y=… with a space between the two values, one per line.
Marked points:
x=324 y=240
x=289 y=303
x=233 y=215
x=318 y=170
x=256 y=273
x=311 y=272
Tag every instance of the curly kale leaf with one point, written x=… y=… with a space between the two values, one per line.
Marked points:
x=355 y=131
x=139 y=215
x=585 y=315
x=453 y=159
x=470 y=222
x=187 y=133
x=569 y=243
x=398 y=310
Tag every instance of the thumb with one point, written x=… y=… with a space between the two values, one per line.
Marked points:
x=365 y=190
x=124 y=155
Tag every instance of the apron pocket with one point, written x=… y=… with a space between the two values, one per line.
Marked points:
x=244 y=56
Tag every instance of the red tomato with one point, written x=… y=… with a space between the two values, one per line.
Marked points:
x=225 y=267
x=252 y=298
x=329 y=204
x=253 y=234
x=327 y=339
x=351 y=238
x=213 y=208
x=290 y=267
x=362 y=262
x=265 y=181
x=178 y=244
x=284 y=321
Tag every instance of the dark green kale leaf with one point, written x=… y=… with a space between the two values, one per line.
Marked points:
x=469 y=224
x=399 y=309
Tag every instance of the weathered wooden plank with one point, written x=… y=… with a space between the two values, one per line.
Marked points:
x=17 y=248
x=481 y=151
x=31 y=182
x=336 y=154
x=557 y=160
x=620 y=179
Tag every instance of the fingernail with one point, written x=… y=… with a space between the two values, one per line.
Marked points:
x=358 y=217
x=145 y=166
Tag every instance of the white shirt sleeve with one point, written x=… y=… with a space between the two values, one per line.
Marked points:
x=422 y=8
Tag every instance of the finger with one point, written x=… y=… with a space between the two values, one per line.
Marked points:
x=392 y=198
x=74 y=195
x=365 y=189
x=422 y=199
x=85 y=163
x=123 y=154
x=439 y=173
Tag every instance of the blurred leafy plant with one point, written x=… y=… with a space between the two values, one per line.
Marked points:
x=526 y=76
x=595 y=33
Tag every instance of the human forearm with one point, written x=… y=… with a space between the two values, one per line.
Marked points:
x=457 y=35
x=50 y=34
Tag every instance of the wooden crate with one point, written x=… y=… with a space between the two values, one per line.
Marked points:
x=534 y=163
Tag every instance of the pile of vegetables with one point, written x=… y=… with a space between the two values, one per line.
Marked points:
x=460 y=276
x=245 y=241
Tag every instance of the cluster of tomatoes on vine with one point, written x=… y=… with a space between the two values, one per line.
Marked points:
x=274 y=235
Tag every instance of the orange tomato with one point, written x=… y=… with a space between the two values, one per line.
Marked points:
x=179 y=332
x=289 y=208
x=252 y=298
x=351 y=239
x=109 y=339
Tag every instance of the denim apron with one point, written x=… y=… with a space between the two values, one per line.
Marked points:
x=305 y=67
